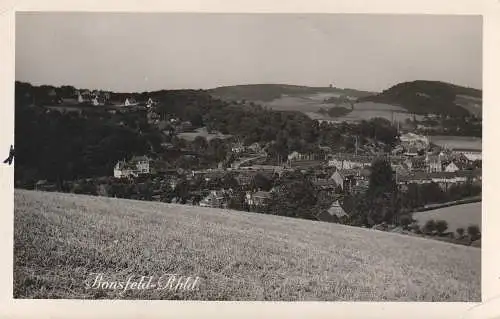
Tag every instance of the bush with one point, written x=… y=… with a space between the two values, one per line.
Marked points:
x=405 y=221
x=441 y=226
x=474 y=232
x=430 y=226
x=460 y=232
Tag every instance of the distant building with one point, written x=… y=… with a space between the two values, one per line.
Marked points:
x=333 y=214
x=150 y=103
x=351 y=180
x=237 y=148
x=451 y=167
x=349 y=161
x=434 y=163
x=470 y=154
x=130 y=102
x=443 y=179
x=133 y=168
x=214 y=199
x=257 y=199
x=412 y=140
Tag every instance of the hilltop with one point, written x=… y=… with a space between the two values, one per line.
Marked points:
x=270 y=92
x=60 y=238
x=434 y=97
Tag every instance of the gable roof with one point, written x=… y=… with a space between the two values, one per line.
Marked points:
x=336 y=210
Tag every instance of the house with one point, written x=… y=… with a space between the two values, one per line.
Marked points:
x=185 y=126
x=349 y=161
x=43 y=185
x=471 y=154
x=136 y=166
x=130 y=102
x=238 y=148
x=412 y=151
x=151 y=103
x=333 y=214
x=451 y=167
x=413 y=143
x=214 y=199
x=255 y=147
x=81 y=98
x=345 y=179
x=69 y=101
x=443 y=179
x=96 y=101
x=257 y=199
x=415 y=164
x=324 y=185
x=433 y=163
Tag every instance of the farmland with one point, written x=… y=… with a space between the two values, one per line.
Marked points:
x=456 y=216
x=190 y=136
x=468 y=142
x=310 y=103
x=59 y=239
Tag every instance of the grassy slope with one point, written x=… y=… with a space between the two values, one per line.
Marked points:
x=60 y=238
x=440 y=97
x=456 y=216
x=269 y=92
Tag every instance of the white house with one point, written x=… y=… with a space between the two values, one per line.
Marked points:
x=434 y=163
x=451 y=168
x=150 y=103
x=346 y=161
x=136 y=166
x=214 y=199
x=95 y=101
x=130 y=102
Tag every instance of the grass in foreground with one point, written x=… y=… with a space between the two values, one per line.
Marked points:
x=59 y=239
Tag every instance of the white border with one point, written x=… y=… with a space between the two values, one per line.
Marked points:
x=489 y=308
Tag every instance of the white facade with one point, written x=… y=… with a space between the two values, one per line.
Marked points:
x=452 y=167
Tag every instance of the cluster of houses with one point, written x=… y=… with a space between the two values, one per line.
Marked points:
x=102 y=98
x=138 y=165
x=333 y=174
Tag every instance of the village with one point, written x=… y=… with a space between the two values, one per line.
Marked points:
x=415 y=160
x=333 y=175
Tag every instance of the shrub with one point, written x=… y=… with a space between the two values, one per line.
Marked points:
x=441 y=226
x=430 y=226
x=474 y=232
x=405 y=221
x=460 y=232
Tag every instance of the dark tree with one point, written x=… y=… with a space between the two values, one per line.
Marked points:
x=473 y=231
x=430 y=226
x=441 y=226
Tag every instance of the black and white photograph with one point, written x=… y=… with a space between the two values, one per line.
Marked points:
x=247 y=156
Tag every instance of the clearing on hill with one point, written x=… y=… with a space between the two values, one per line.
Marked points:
x=61 y=239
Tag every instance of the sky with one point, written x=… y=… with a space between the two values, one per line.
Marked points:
x=135 y=52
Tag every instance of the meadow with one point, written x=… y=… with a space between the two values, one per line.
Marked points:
x=60 y=239
x=191 y=136
x=456 y=216
x=468 y=142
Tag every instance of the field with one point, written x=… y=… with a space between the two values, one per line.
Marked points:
x=368 y=110
x=59 y=239
x=469 y=142
x=456 y=216
x=190 y=136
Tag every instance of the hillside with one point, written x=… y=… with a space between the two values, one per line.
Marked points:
x=270 y=92
x=436 y=97
x=60 y=238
